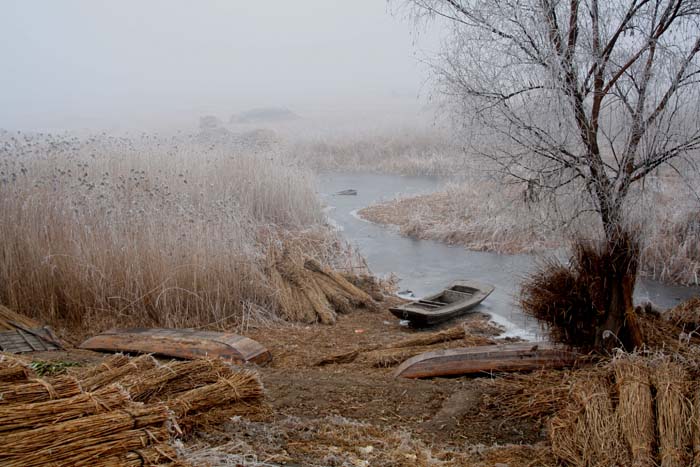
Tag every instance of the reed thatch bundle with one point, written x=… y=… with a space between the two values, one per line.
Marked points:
x=8 y=317
x=14 y=369
x=158 y=382
x=37 y=390
x=587 y=433
x=308 y=292
x=15 y=417
x=635 y=409
x=86 y=451
x=695 y=426
x=354 y=294
x=15 y=373
x=369 y=284
x=156 y=455
x=110 y=363
x=673 y=412
x=243 y=385
x=135 y=365
x=58 y=436
x=336 y=298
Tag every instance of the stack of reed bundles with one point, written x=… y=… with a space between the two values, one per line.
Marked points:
x=308 y=292
x=132 y=410
x=650 y=418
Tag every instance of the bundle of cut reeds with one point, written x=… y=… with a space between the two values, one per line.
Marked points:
x=635 y=408
x=26 y=416
x=151 y=456
x=38 y=389
x=134 y=366
x=110 y=363
x=14 y=369
x=87 y=431
x=158 y=382
x=309 y=292
x=241 y=386
x=673 y=413
x=587 y=432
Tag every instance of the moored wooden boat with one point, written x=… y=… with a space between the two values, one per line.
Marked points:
x=180 y=343
x=455 y=300
x=524 y=356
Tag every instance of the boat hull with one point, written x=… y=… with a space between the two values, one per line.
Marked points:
x=527 y=356
x=445 y=305
x=180 y=343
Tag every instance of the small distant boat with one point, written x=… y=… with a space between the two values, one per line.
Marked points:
x=349 y=192
x=180 y=343
x=455 y=300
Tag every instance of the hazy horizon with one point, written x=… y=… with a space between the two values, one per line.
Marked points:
x=79 y=64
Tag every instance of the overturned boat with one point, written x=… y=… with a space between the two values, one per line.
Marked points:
x=487 y=359
x=455 y=300
x=180 y=343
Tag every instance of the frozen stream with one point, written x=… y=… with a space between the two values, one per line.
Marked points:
x=426 y=266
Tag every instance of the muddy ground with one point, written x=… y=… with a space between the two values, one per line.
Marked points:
x=357 y=415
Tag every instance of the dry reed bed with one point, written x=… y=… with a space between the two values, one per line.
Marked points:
x=106 y=426
x=101 y=232
x=481 y=214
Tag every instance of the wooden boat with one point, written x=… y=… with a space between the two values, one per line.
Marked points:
x=454 y=301
x=525 y=356
x=180 y=343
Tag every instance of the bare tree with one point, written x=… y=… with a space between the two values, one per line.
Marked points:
x=581 y=93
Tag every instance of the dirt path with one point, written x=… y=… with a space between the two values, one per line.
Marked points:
x=355 y=414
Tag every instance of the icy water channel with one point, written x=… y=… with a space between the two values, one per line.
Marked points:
x=426 y=266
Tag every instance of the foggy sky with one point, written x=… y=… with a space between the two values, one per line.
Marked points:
x=99 y=63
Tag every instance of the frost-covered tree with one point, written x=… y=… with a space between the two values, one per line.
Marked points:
x=582 y=93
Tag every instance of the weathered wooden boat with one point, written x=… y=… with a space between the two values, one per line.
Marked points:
x=180 y=343
x=455 y=300
x=525 y=356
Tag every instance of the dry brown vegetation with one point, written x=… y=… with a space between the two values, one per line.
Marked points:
x=106 y=231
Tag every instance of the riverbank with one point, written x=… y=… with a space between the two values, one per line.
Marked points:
x=480 y=218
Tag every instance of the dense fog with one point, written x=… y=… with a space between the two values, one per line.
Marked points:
x=133 y=64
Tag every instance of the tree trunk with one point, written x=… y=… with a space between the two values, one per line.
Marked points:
x=618 y=326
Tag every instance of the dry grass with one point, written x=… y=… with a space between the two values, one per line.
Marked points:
x=103 y=231
x=338 y=441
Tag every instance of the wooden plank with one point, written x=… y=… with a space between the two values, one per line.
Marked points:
x=526 y=356
x=180 y=343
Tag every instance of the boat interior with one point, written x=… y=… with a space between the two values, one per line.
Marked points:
x=454 y=294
